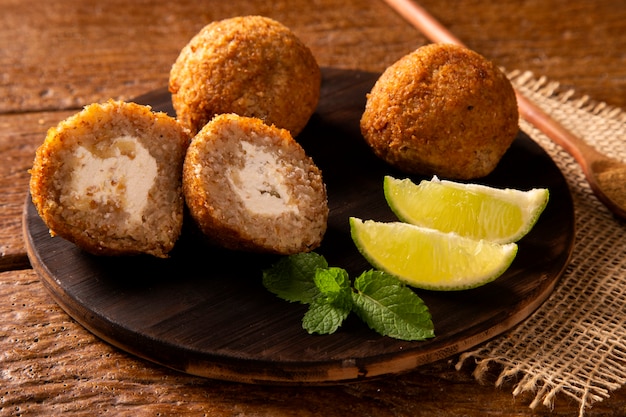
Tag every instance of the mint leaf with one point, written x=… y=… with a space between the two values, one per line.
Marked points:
x=325 y=318
x=333 y=303
x=292 y=278
x=332 y=283
x=391 y=308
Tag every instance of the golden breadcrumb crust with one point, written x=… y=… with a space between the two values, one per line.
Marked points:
x=252 y=66
x=443 y=110
x=236 y=169
x=102 y=225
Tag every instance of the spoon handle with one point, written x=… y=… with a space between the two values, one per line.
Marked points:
x=582 y=152
x=436 y=32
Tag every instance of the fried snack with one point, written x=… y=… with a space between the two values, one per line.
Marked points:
x=252 y=66
x=250 y=186
x=109 y=179
x=442 y=110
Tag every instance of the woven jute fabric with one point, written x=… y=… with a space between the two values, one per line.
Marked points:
x=575 y=343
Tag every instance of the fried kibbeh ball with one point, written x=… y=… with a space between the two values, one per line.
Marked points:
x=251 y=66
x=109 y=179
x=441 y=110
x=251 y=187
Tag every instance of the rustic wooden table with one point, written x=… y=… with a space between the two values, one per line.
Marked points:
x=59 y=56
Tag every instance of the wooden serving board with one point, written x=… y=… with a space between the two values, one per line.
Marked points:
x=204 y=311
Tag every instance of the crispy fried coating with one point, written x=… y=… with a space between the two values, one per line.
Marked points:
x=442 y=110
x=250 y=65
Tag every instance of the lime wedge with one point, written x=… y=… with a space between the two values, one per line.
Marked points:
x=430 y=259
x=471 y=210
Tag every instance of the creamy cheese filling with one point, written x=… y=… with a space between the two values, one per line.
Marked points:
x=122 y=176
x=260 y=184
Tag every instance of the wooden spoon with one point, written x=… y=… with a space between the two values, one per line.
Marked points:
x=606 y=176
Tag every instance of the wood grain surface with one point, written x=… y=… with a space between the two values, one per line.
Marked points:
x=58 y=56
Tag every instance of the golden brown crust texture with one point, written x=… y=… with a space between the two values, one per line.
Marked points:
x=252 y=66
x=442 y=110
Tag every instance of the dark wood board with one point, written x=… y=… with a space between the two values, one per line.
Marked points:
x=204 y=311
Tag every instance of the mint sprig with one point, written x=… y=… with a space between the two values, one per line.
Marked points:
x=384 y=303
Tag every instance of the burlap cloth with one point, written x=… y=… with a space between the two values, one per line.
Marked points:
x=575 y=343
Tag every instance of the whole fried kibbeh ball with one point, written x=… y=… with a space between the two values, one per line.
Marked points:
x=441 y=110
x=251 y=187
x=251 y=66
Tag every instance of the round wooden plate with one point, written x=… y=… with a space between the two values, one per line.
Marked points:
x=204 y=311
